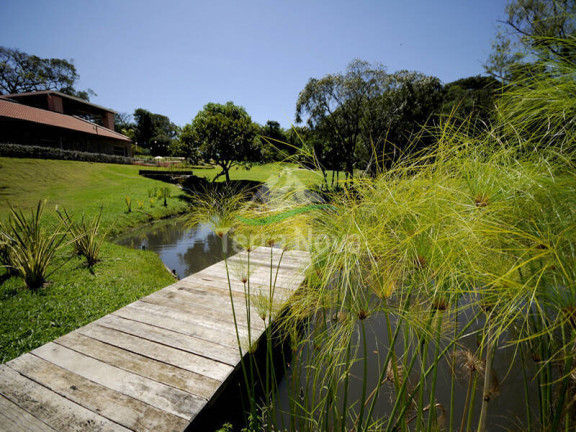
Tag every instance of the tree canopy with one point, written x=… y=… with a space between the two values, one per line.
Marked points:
x=365 y=117
x=225 y=134
x=21 y=72
x=154 y=132
x=533 y=28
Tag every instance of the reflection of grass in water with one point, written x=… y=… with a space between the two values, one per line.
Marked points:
x=483 y=227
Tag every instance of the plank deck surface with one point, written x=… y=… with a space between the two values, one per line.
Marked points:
x=154 y=364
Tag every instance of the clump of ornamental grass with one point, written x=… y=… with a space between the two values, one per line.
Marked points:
x=29 y=245
x=451 y=259
x=87 y=240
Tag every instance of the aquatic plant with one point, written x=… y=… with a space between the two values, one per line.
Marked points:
x=455 y=261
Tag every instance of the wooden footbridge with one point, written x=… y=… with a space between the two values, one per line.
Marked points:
x=153 y=365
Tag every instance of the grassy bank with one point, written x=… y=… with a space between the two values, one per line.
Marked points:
x=84 y=188
x=76 y=295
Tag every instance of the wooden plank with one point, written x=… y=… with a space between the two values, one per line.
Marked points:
x=159 y=395
x=212 y=300
x=115 y=406
x=212 y=316
x=190 y=321
x=184 y=360
x=13 y=418
x=171 y=322
x=182 y=379
x=58 y=412
x=284 y=280
x=172 y=339
x=215 y=284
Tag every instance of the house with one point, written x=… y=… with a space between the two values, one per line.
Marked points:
x=53 y=119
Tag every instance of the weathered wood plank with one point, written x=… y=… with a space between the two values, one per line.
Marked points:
x=220 y=285
x=284 y=280
x=170 y=322
x=190 y=321
x=211 y=315
x=58 y=412
x=159 y=395
x=184 y=360
x=172 y=339
x=115 y=406
x=213 y=301
x=182 y=379
x=13 y=418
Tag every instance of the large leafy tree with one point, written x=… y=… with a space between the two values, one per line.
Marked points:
x=225 y=134
x=154 y=132
x=366 y=117
x=21 y=72
x=531 y=27
x=394 y=119
x=473 y=97
x=335 y=105
x=274 y=141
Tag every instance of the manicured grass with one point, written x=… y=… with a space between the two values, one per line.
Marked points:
x=75 y=295
x=272 y=172
x=84 y=188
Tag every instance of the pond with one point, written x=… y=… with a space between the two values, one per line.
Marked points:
x=182 y=249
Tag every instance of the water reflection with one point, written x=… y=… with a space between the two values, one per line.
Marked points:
x=182 y=249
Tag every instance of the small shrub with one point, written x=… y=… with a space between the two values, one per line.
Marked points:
x=152 y=192
x=86 y=238
x=31 y=247
x=152 y=202
x=128 y=201
x=164 y=194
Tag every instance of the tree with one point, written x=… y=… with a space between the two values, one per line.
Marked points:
x=472 y=97
x=274 y=141
x=154 y=132
x=335 y=105
x=225 y=134
x=366 y=118
x=394 y=119
x=21 y=72
x=532 y=27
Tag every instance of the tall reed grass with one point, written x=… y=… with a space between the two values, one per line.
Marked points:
x=436 y=285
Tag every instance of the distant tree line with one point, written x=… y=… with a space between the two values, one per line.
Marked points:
x=361 y=119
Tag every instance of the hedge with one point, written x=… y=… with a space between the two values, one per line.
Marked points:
x=38 y=152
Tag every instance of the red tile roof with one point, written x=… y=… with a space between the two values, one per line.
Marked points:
x=17 y=96
x=50 y=118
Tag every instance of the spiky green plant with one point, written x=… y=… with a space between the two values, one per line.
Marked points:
x=87 y=240
x=31 y=246
x=128 y=202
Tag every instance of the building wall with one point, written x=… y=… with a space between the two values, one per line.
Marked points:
x=22 y=132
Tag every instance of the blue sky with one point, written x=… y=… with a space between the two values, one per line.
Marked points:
x=172 y=57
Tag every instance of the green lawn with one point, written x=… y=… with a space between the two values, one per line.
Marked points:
x=272 y=172
x=83 y=188
x=75 y=295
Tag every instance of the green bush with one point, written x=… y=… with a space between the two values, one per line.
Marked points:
x=38 y=152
